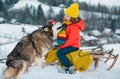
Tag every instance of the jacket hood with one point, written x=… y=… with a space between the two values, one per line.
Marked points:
x=80 y=24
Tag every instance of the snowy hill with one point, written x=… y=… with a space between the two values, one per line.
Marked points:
x=51 y=71
x=26 y=11
x=35 y=3
x=56 y=10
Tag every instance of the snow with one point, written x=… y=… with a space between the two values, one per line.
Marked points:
x=51 y=72
x=117 y=31
x=1 y=19
x=23 y=3
x=56 y=10
x=95 y=33
x=15 y=31
x=107 y=31
x=13 y=21
x=88 y=38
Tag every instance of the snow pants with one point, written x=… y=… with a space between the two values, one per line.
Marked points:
x=61 y=54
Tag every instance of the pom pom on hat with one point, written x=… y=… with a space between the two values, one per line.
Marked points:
x=73 y=10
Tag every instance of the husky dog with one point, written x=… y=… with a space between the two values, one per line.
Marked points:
x=27 y=51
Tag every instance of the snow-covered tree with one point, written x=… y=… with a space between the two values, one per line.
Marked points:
x=40 y=15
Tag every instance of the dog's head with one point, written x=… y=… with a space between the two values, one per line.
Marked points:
x=52 y=26
x=56 y=30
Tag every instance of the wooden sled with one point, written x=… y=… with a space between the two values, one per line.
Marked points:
x=96 y=54
x=107 y=55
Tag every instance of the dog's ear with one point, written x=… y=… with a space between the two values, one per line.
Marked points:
x=41 y=29
x=46 y=29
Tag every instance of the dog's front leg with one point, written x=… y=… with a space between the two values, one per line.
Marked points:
x=22 y=70
x=38 y=62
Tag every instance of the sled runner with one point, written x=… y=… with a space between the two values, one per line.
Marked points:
x=82 y=59
x=107 y=55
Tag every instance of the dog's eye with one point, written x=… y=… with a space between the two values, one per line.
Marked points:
x=23 y=45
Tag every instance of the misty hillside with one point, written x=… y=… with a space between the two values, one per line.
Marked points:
x=98 y=14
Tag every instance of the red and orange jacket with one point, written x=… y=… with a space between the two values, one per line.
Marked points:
x=73 y=34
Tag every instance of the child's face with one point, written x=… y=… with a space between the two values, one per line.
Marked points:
x=66 y=18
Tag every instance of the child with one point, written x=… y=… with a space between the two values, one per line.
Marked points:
x=69 y=36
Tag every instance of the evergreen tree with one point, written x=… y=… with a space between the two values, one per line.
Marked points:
x=27 y=18
x=54 y=3
x=2 y=7
x=40 y=16
x=115 y=11
x=60 y=16
x=34 y=16
x=119 y=11
x=3 y=10
x=113 y=25
x=11 y=2
x=50 y=13
x=99 y=8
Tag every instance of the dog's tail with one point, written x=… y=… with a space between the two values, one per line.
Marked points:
x=11 y=72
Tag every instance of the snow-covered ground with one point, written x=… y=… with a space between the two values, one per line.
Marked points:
x=51 y=72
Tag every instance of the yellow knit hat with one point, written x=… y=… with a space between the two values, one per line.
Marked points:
x=73 y=10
